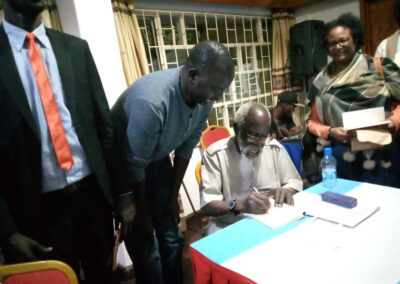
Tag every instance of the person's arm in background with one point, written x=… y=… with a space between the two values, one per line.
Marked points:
x=392 y=82
x=290 y=132
x=316 y=127
x=381 y=49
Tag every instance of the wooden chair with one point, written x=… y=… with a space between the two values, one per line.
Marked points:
x=38 y=272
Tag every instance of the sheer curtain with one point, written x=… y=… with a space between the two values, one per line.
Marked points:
x=130 y=41
x=50 y=15
x=282 y=20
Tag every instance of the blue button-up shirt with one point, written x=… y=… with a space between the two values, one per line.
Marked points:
x=53 y=177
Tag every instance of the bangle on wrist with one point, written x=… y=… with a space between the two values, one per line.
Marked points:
x=329 y=131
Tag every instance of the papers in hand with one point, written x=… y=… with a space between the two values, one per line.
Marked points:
x=314 y=206
x=365 y=122
x=278 y=216
x=365 y=118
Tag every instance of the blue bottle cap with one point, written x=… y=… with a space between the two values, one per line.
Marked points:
x=328 y=151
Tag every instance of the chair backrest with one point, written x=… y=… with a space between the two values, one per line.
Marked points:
x=212 y=134
x=198 y=172
x=38 y=272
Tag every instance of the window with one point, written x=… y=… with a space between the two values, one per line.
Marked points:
x=168 y=36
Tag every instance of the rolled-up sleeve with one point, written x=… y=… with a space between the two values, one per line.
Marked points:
x=211 y=184
x=143 y=132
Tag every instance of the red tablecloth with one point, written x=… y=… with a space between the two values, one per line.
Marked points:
x=206 y=272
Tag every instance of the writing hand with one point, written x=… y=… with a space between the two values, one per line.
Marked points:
x=255 y=203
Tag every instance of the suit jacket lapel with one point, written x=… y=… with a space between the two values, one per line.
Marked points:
x=12 y=81
x=64 y=63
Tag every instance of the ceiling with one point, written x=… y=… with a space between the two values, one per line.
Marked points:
x=264 y=3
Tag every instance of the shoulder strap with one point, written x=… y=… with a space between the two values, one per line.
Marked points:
x=378 y=66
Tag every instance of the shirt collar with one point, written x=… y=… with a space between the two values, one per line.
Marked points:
x=17 y=35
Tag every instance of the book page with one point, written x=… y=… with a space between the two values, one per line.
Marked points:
x=278 y=216
x=313 y=205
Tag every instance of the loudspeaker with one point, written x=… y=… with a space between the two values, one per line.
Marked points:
x=307 y=52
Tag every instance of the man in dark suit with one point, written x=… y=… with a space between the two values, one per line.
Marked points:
x=49 y=210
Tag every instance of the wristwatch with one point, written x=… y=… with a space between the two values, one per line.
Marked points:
x=232 y=207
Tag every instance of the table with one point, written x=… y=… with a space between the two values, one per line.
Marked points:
x=309 y=250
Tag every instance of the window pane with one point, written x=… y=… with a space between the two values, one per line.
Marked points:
x=239 y=29
x=176 y=25
x=165 y=20
x=222 y=29
x=168 y=37
x=254 y=23
x=232 y=36
x=212 y=35
x=230 y=22
x=189 y=21
x=191 y=36
x=171 y=58
x=201 y=27
x=212 y=118
x=247 y=23
x=151 y=30
x=211 y=21
x=155 y=58
x=172 y=65
x=249 y=37
x=182 y=56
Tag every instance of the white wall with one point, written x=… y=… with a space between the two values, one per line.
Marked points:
x=327 y=10
x=93 y=21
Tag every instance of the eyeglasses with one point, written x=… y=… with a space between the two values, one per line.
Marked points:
x=341 y=42
x=254 y=138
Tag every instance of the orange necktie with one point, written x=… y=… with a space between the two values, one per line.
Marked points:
x=57 y=133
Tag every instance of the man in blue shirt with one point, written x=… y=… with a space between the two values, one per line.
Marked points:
x=163 y=112
x=47 y=209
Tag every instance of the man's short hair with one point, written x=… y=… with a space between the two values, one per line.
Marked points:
x=207 y=53
x=243 y=111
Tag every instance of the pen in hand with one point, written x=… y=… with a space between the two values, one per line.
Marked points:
x=255 y=189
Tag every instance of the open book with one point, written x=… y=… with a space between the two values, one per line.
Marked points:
x=278 y=216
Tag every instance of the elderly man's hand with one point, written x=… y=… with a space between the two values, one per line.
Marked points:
x=284 y=195
x=255 y=203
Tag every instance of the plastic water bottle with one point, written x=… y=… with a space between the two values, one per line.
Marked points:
x=328 y=166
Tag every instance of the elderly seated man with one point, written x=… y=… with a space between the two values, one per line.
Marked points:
x=236 y=170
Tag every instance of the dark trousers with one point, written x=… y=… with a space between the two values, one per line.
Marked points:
x=158 y=260
x=77 y=223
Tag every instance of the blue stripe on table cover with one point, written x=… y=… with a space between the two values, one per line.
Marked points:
x=248 y=233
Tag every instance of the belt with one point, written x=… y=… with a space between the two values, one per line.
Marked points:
x=79 y=185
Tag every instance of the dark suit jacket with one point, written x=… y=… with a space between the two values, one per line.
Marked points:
x=20 y=148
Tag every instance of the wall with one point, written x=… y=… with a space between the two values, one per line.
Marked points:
x=94 y=22
x=327 y=10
